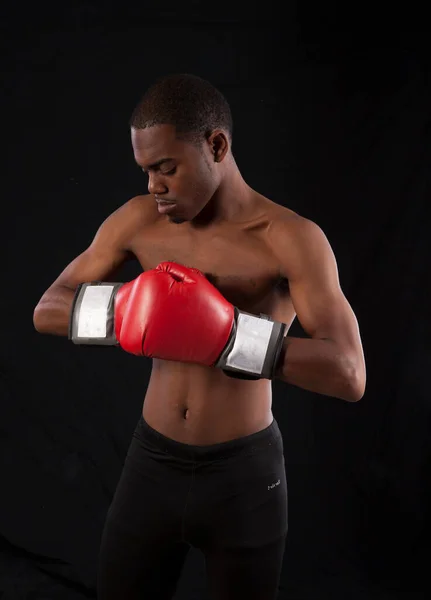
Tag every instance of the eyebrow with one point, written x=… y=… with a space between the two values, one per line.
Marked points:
x=157 y=163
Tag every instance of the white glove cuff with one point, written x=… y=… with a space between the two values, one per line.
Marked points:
x=92 y=314
x=255 y=345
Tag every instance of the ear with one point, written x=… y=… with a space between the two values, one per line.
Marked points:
x=219 y=144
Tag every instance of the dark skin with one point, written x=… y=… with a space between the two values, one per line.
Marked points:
x=263 y=257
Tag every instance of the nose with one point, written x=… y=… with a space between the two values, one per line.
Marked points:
x=155 y=185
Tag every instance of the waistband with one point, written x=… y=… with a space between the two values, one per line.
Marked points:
x=248 y=444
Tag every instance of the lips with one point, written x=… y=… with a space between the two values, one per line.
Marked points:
x=165 y=202
x=165 y=207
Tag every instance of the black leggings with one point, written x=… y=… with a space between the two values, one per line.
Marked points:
x=229 y=500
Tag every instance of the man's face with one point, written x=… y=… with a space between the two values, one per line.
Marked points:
x=180 y=175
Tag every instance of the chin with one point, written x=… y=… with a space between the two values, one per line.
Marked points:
x=177 y=220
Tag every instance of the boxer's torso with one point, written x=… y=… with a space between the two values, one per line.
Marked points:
x=201 y=405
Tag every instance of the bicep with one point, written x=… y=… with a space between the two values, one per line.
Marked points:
x=106 y=253
x=91 y=265
x=325 y=313
x=319 y=302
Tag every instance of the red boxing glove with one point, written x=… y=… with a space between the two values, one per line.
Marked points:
x=174 y=313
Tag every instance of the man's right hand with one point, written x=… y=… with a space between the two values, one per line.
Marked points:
x=171 y=312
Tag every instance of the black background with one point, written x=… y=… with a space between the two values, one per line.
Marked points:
x=332 y=113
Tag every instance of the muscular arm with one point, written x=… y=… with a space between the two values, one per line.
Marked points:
x=106 y=253
x=331 y=361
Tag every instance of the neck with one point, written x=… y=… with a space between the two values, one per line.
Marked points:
x=233 y=200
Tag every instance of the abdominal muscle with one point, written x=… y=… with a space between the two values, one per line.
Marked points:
x=200 y=405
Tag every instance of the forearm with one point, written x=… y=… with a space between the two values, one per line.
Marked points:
x=52 y=313
x=320 y=366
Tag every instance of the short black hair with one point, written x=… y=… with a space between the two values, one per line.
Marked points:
x=192 y=104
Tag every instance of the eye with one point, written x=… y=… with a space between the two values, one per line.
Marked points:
x=171 y=172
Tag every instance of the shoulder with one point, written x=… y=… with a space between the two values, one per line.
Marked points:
x=122 y=225
x=287 y=227
x=297 y=240
x=133 y=215
x=138 y=209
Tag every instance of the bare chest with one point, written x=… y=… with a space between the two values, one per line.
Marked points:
x=239 y=264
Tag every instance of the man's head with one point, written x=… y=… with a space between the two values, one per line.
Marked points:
x=181 y=133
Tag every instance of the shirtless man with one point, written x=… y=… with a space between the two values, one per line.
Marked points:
x=205 y=466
